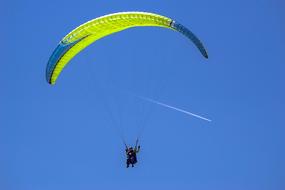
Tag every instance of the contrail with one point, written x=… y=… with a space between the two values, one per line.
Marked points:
x=174 y=108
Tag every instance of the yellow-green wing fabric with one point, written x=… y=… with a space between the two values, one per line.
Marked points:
x=89 y=32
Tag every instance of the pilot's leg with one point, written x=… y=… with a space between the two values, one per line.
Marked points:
x=128 y=163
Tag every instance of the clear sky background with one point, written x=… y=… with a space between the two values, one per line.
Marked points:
x=67 y=136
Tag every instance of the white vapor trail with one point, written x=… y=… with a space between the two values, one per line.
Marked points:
x=174 y=108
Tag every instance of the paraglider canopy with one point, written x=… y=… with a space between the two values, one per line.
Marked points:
x=95 y=29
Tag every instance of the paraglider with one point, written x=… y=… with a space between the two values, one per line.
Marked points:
x=131 y=154
x=93 y=30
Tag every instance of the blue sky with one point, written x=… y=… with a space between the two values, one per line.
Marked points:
x=66 y=136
